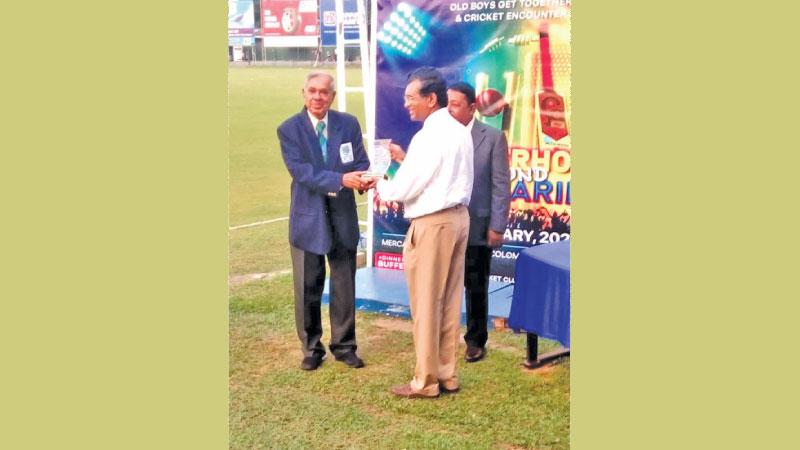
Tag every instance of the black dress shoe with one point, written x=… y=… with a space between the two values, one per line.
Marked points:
x=312 y=362
x=444 y=390
x=475 y=354
x=351 y=359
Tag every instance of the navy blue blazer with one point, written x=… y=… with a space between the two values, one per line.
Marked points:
x=315 y=219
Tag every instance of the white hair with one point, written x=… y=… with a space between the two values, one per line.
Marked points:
x=313 y=75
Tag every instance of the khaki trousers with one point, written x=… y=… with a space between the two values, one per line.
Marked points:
x=433 y=258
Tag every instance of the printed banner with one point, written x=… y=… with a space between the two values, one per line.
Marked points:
x=241 y=18
x=327 y=14
x=289 y=23
x=516 y=53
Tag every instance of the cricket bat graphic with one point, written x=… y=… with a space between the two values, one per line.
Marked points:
x=551 y=105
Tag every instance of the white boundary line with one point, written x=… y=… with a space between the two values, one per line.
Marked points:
x=255 y=224
x=280 y=219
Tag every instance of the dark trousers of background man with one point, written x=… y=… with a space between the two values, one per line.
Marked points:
x=476 y=282
x=309 y=282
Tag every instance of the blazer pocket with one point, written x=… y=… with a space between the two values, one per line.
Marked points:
x=305 y=226
x=304 y=211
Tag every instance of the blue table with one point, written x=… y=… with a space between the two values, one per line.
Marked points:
x=541 y=301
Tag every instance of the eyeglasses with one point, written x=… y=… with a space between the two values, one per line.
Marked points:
x=412 y=98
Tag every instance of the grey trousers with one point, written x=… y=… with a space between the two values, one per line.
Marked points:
x=309 y=281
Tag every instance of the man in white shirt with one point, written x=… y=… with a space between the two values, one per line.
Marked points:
x=434 y=183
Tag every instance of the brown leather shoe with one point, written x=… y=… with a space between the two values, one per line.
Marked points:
x=405 y=390
x=475 y=354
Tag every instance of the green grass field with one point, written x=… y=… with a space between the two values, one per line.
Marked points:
x=273 y=404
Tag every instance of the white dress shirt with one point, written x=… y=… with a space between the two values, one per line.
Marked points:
x=437 y=171
x=469 y=125
x=314 y=122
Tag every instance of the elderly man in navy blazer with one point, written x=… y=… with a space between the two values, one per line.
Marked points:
x=325 y=156
x=488 y=213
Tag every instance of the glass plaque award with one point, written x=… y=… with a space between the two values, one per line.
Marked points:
x=381 y=158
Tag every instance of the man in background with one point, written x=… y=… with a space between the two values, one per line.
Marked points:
x=325 y=156
x=488 y=213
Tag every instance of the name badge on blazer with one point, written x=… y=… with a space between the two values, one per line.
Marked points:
x=346 y=152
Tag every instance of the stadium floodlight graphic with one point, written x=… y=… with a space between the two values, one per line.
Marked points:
x=403 y=33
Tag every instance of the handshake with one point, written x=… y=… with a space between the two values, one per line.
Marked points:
x=360 y=180
x=363 y=180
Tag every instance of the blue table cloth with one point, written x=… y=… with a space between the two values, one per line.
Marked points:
x=541 y=300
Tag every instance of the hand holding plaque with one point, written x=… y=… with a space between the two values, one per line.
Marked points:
x=381 y=159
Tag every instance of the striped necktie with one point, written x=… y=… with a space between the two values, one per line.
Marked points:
x=323 y=141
